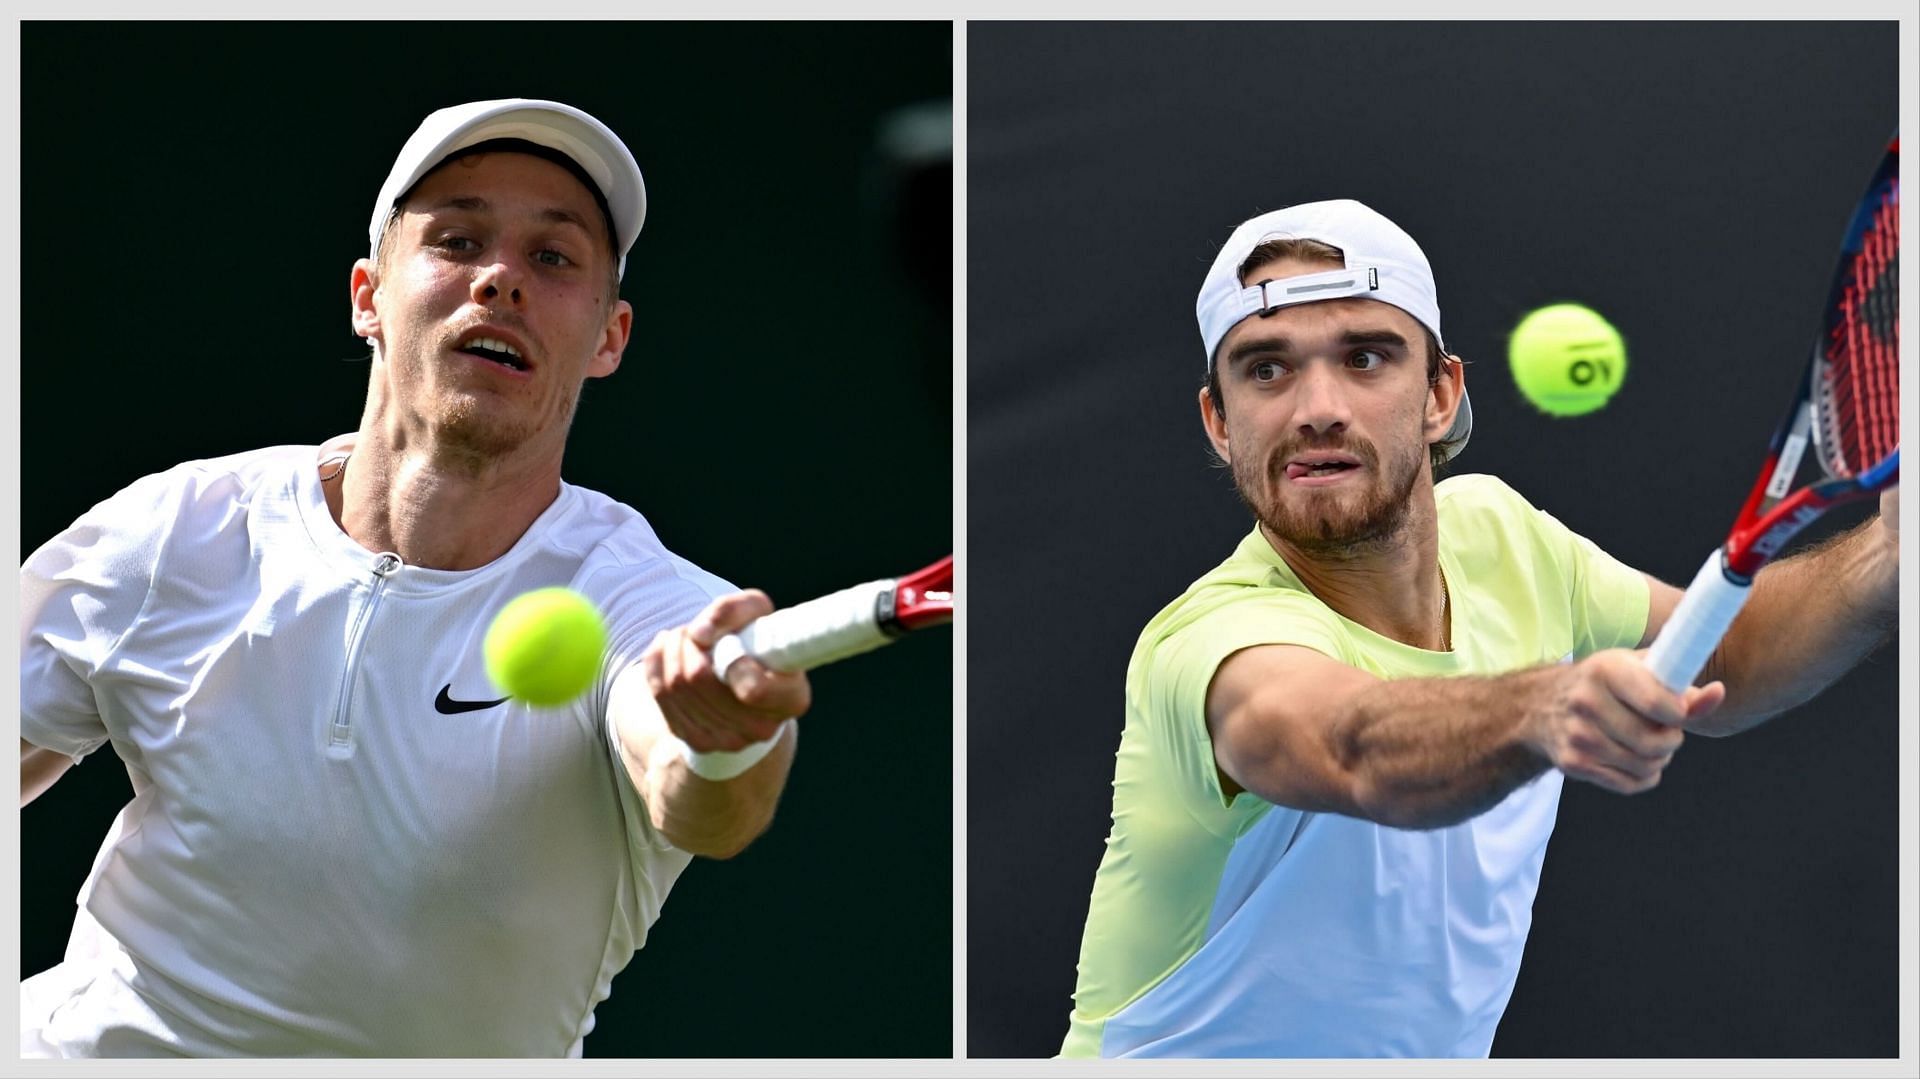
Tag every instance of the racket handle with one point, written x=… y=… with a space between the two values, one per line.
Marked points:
x=808 y=635
x=1698 y=623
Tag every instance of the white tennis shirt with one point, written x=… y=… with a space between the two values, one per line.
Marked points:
x=338 y=842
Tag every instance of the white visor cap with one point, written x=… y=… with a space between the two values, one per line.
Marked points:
x=1382 y=263
x=585 y=141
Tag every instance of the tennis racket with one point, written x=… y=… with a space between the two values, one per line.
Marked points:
x=1847 y=409
x=844 y=623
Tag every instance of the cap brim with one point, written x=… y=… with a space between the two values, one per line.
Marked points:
x=586 y=141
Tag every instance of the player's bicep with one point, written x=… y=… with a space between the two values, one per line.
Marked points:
x=1274 y=715
x=1662 y=598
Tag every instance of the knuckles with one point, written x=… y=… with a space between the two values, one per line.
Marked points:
x=736 y=609
x=1583 y=734
x=1583 y=699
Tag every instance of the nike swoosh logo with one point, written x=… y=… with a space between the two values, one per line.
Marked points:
x=447 y=706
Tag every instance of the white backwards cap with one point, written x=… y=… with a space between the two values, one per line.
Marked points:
x=1382 y=263
x=581 y=139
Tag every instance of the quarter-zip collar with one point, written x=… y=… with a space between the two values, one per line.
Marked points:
x=350 y=560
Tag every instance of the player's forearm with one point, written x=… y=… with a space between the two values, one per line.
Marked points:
x=1432 y=752
x=1810 y=619
x=713 y=818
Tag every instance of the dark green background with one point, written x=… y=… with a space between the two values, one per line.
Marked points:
x=193 y=197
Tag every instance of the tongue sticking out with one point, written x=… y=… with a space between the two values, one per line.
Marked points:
x=1296 y=469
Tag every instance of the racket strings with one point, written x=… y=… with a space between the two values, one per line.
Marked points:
x=1858 y=399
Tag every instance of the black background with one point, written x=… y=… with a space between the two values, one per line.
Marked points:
x=193 y=198
x=1689 y=181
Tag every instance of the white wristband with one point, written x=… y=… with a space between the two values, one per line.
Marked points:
x=727 y=763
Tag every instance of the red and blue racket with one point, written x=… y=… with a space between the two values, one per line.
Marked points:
x=1847 y=410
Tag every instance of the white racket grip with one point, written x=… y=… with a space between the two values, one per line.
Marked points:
x=1697 y=625
x=810 y=634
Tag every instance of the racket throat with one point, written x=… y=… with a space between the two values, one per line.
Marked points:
x=919 y=599
x=1791 y=450
x=1702 y=617
x=886 y=613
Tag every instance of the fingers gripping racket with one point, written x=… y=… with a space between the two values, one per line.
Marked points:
x=845 y=623
x=1847 y=409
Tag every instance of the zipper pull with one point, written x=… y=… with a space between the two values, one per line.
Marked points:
x=387 y=565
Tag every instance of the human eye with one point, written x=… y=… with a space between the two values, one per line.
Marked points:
x=1265 y=371
x=550 y=257
x=1368 y=359
x=455 y=244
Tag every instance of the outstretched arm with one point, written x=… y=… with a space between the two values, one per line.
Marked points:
x=1300 y=729
x=1809 y=620
x=671 y=702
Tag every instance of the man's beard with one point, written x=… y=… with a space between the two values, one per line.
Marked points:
x=473 y=431
x=1328 y=526
x=467 y=430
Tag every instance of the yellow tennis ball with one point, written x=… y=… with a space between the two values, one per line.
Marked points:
x=1566 y=359
x=544 y=646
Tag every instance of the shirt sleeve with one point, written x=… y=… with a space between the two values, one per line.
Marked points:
x=1180 y=668
x=639 y=600
x=1609 y=599
x=80 y=594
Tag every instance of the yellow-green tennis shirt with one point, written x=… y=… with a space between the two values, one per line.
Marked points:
x=1245 y=929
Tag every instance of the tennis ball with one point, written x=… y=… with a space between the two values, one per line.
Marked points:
x=1566 y=359
x=544 y=646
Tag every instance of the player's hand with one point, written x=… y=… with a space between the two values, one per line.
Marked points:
x=705 y=713
x=1608 y=721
